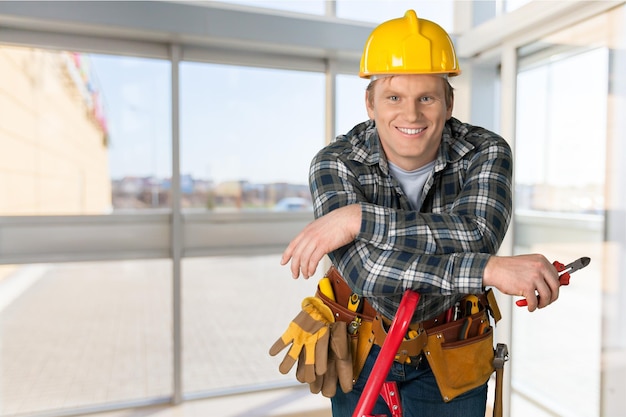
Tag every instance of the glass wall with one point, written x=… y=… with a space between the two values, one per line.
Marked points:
x=248 y=136
x=84 y=335
x=83 y=134
x=350 y=103
x=234 y=309
x=560 y=147
x=508 y=6
x=440 y=11
x=136 y=96
x=309 y=6
x=560 y=128
x=377 y=12
x=98 y=335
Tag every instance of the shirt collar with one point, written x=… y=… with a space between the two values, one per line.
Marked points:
x=368 y=150
x=454 y=146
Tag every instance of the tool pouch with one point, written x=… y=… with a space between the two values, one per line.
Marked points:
x=359 y=324
x=460 y=365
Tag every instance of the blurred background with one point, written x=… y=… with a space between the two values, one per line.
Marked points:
x=154 y=159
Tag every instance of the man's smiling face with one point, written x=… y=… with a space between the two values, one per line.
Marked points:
x=410 y=112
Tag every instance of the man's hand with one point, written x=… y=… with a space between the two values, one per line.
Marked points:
x=324 y=235
x=527 y=276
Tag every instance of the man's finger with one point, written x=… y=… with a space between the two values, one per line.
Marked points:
x=295 y=266
x=555 y=285
x=532 y=303
x=288 y=252
x=285 y=258
x=314 y=261
x=304 y=254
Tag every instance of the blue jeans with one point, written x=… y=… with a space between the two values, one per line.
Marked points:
x=418 y=390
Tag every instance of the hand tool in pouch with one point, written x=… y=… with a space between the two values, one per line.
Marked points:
x=564 y=273
x=501 y=355
x=355 y=304
x=326 y=288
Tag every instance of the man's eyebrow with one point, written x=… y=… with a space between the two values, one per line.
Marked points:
x=400 y=91
x=394 y=90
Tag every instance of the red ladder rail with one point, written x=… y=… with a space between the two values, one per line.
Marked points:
x=398 y=329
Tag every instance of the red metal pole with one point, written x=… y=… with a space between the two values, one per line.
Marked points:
x=398 y=329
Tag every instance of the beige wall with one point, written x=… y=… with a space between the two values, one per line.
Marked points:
x=53 y=153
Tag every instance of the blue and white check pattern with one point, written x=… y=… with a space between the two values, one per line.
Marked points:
x=440 y=251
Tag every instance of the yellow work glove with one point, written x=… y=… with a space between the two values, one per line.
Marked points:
x=303 y=333
x=339 y=364
x=306 y=373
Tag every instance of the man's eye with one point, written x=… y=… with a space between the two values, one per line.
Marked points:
x=426 y=99
x=394 y=98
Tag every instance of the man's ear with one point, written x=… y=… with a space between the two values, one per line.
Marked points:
x=449 y=109
x=369 y=105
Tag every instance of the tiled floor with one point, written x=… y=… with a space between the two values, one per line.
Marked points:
x=88 y=335
x=294 y=402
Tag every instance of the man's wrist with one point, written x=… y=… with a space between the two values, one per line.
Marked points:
x=488 y=272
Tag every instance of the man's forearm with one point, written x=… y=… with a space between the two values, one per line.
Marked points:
x=428 y=233
x=379 y=273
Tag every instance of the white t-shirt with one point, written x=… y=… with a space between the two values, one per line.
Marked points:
x=412 y=182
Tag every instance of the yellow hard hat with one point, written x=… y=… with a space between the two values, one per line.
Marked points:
x=408 y=45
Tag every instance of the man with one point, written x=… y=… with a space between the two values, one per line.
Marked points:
x=415 y=199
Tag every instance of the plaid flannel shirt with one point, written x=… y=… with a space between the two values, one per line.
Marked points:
x=439 y=251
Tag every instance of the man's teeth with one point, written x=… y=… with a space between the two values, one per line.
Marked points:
x=410 y=131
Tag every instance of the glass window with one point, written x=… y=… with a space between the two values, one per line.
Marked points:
x=82 y=134
x=440 y=12
x=560 y=163
x=301 y=6
x=350 y=102
x=84 y=335
x=234 y=309
x=510 y=5
x=136 y=93
x=248 y=136
x=561 y=112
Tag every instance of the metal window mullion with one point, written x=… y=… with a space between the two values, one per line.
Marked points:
x=508 y=105
x=330 y=107
x=330 y=103
x=176 y=225
x=331 y=8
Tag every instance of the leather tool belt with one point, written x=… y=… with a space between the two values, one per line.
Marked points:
x=460 y=352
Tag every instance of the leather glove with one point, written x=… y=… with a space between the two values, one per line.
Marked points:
x=303 y=333
x=339 y=364
x=308 y=374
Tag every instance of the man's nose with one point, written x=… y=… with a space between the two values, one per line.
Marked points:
x=412 y=110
